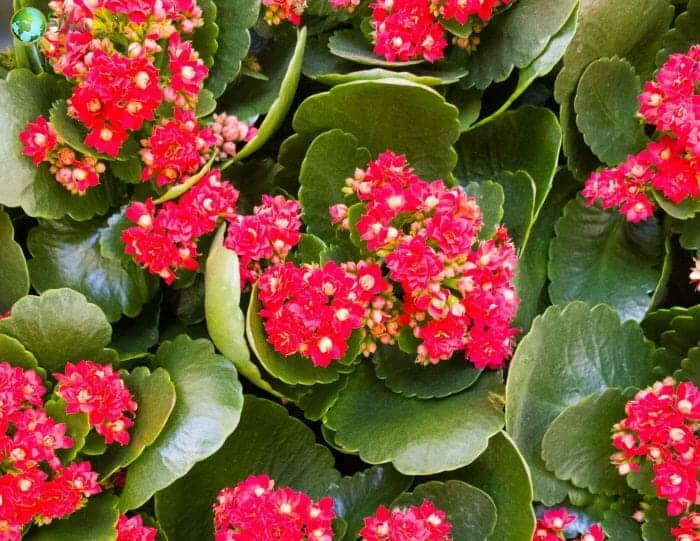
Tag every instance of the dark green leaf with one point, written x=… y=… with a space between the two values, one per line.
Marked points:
x=318 y=400
x=134 y=336
x=490 y=197
x=155 y=394
x=519 y=205
x=569 y=353
x=77 y=428
x=597 y=256
x=419 y=437
x=207 y=410
x=14 y=276
x=684 y=34
x=67 y=254
x=359 y=496
x=57 y=327
x=689 y=233
x=266 y=441
x=205 y=37
x=606 y=110
x=516 y=38
x=97 y=521
x=471 y=511
x=579 y=451
x=12 y=351
x=403 y=375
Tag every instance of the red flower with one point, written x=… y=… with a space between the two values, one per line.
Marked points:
x=414 y=523
x=132 y=529
x=38 y=138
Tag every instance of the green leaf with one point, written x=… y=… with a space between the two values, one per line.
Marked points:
x=206 y=103
x=526 y=139
x=154 y=392
x=580 y=451
x=127 y=171
x=471 y=511
x=266 y=441
x=68 y=254
x=132 y=337
x=309 y=249
x=281 y=106
x=207 y=410
x=490 y=197
x=403 y=375
x=606 y=110
x=222 y=304
x=684 y=34
x=531 y=273
x=332 y=158
x=293 y=369
x=97 y=521
x=12 y=351
x=23 y=97
x=469 y=103
x=14 y=276
x=58 y=327
x=410 y=119
x=597 y=256
x=620 y=526
x=204 y=38
x=569 y=353
x=501 y=472
x=359 y=496
x=354 y=46
x=657 y=524
x=234 y=18
x=519 y=205
x=77 y=428
x=317 y=401
x=516 y=38
x=418 y=437
x=684 y=210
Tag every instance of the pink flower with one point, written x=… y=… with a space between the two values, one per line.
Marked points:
x=132 y=529
x=414 y=523
x=188 y=73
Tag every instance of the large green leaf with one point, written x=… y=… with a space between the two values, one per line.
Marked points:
x=406 y=117
x=234 y=18
x=207 y=410
x=23 y=97
x=516 y=38
x=526 y=139
x=606 y=110
x=332 y=158
x=68 y=254
x=267 y=441
x=14 y=276
x=403 y=375
x=418 y=436
x=471 y=511
x=531 y=273
x=58 y=327
x=501 y=472
x=359 y=496
x=597 y=256
x=282 y=104
x=580 y=451
x=12 y=351
x=569 y=353
x=154 y=393
x=519 y=206
x=97 y=521
x=293 y=369
x=684 y=34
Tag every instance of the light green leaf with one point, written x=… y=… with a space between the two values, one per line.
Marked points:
x=410 y=119
x=579 y=451
x=359 y=496
x=597 y=256
x=58 y=327
x=267 y=441
x=12 y=351
x=471 y=511
x=606 y=110
x=516 y=38
x=569 y=353
x=14 y=276
x=67 y=254
x=419 y=437
x=207 y=410
x=403 y=375
x=154 y=392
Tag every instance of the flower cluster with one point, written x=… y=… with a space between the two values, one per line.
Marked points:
x=405 y=30
x=95 y=389
x=313 y=311
x=688 y=528
x=277 y=11
x=670 y=165
x=34 y=485
x=424 y=522
x=660 y=428
x=265 y=236
x=43 y=144
x=254 y=509
x=164 y=239
x=553 y=523
x=227 y=130
x=458 y=291
x=132 y=529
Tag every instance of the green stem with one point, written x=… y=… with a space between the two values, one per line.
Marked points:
x=177 y=191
